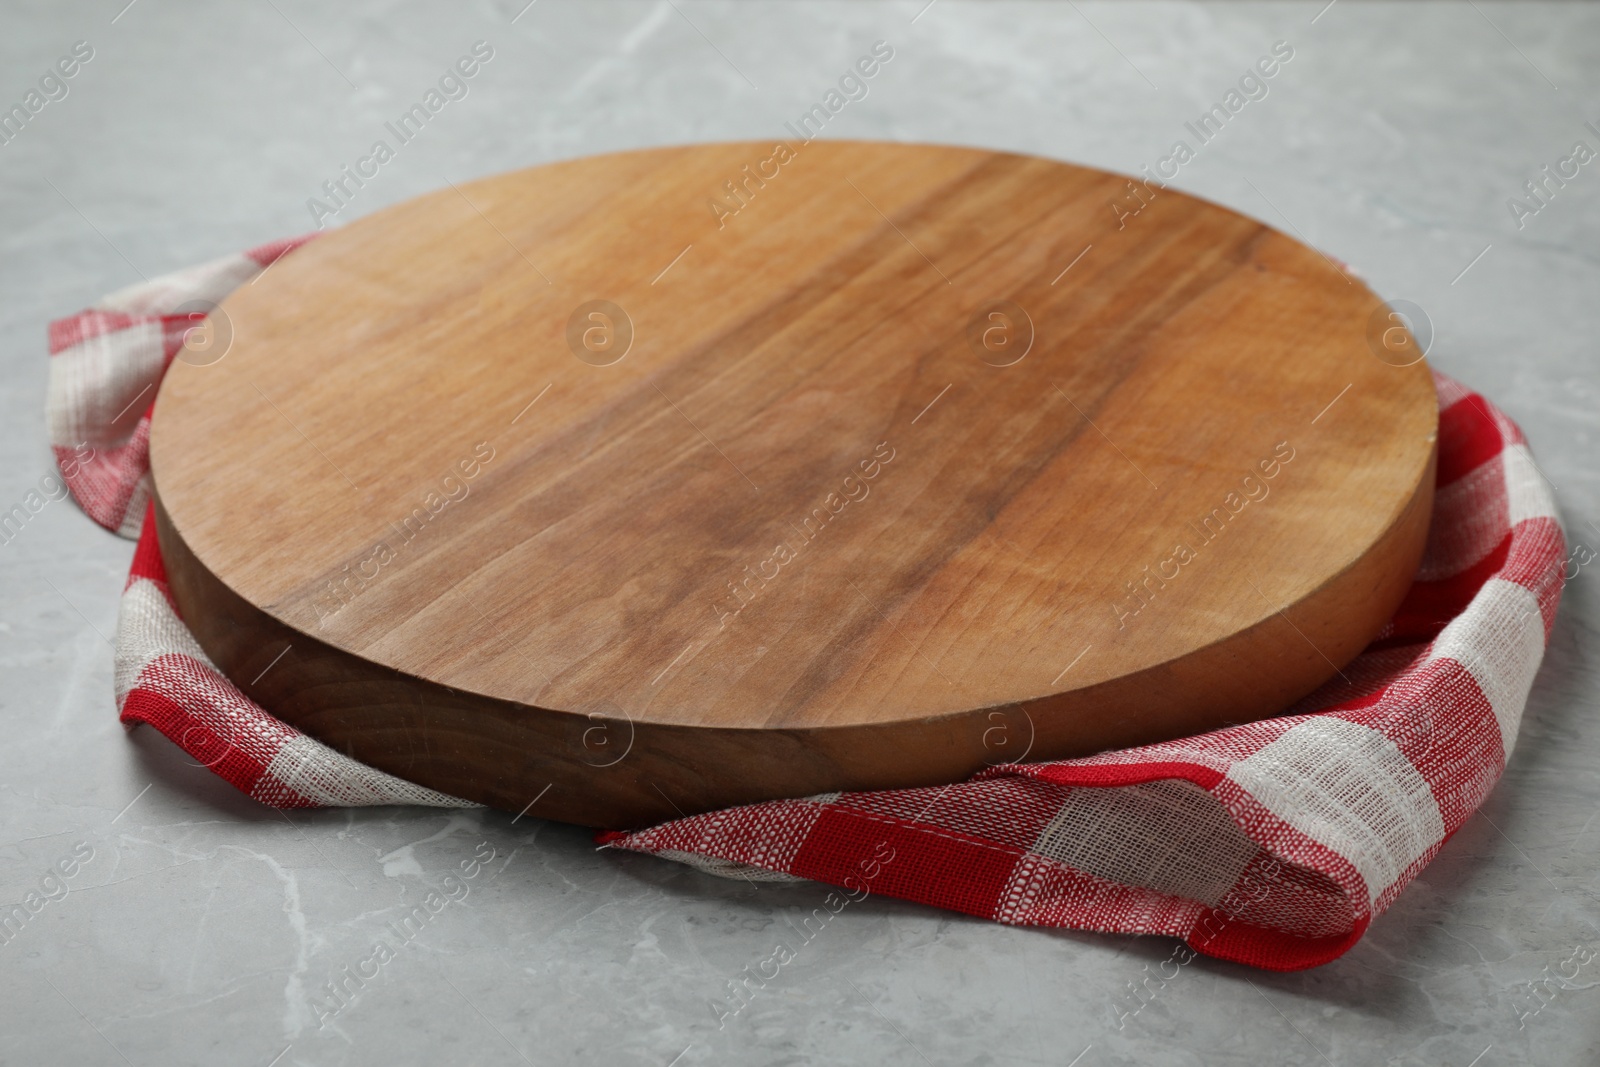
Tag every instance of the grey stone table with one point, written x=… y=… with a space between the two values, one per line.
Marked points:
x=202 y=927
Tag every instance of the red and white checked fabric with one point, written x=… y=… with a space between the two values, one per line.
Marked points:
x=1274 y=844
x=105 y=365
x=104 y=368
x=163 y=678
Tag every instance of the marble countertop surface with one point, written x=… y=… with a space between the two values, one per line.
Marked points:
x=199 y=926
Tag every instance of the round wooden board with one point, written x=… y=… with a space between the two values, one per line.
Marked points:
x=570 y=484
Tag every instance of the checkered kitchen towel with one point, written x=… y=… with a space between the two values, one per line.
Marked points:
x=1274 y=844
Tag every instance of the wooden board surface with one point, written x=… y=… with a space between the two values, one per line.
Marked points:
x=669 y=479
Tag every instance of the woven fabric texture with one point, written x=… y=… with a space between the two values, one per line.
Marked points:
x=1273 y=844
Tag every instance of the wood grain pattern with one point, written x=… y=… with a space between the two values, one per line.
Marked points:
x=821 y=522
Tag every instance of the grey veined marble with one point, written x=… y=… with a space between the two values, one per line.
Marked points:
x=178 y=922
